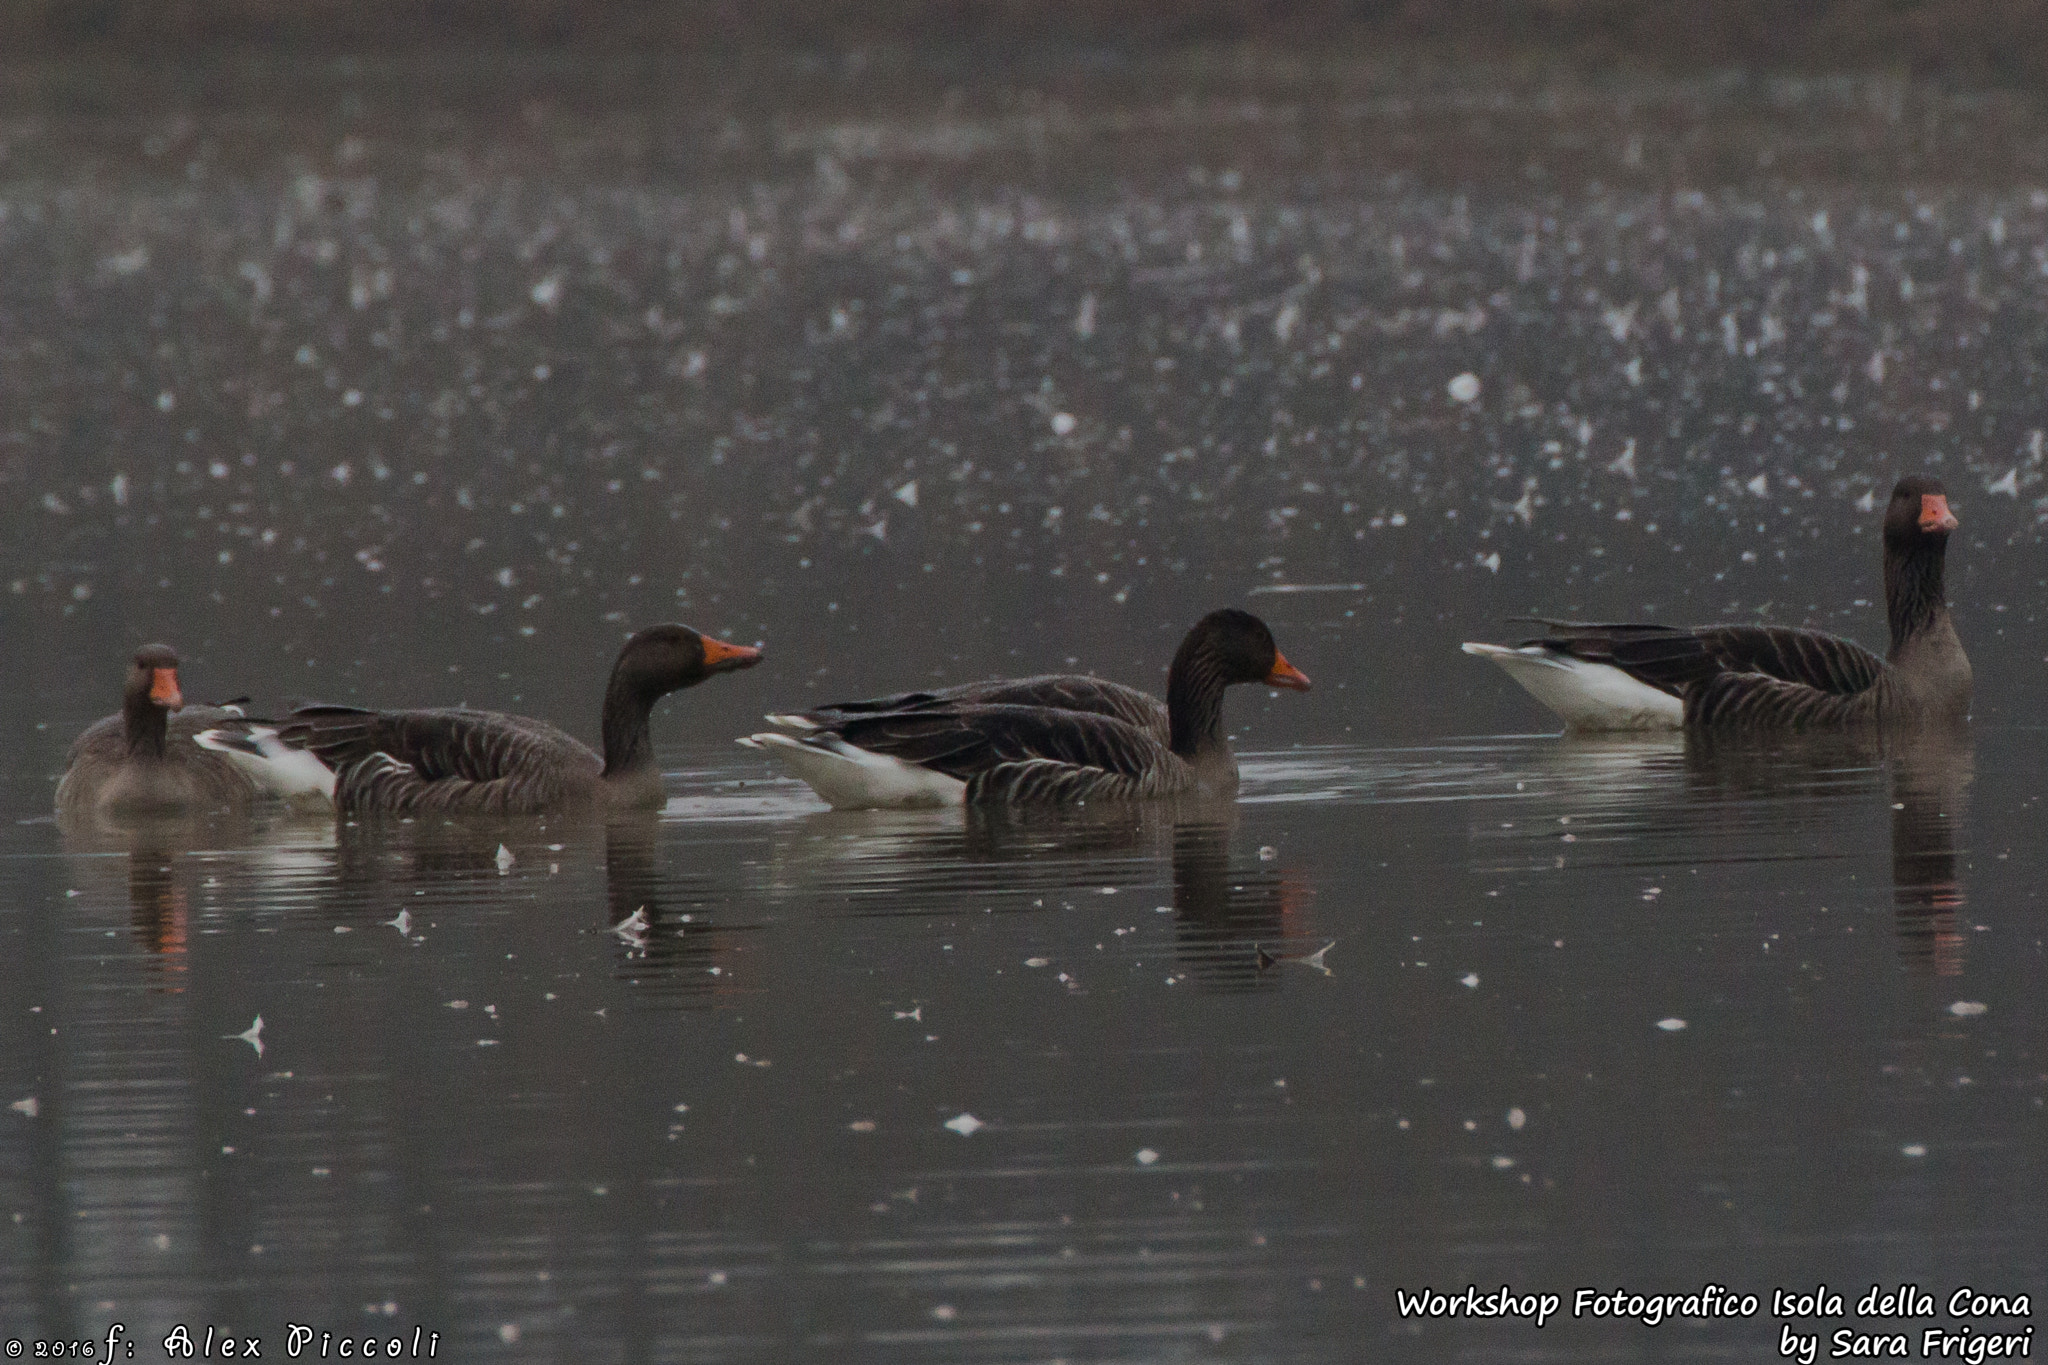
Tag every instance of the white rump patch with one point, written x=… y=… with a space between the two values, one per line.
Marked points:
x=1588 y=696
x=275 y=767
x=850 y=778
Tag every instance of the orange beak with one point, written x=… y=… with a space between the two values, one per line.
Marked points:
x=163 y=688
x=1934 y=513
x=1286 y=675
x=720 y=657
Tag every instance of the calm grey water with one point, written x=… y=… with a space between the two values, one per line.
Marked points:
x=424 y=382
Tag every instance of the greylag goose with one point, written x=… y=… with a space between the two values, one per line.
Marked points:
x=459 y=761
x=1641 y=677
x=143 y=761
x=1054 y=738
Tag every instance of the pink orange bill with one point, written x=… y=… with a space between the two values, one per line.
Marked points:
x=1286 y=675
x=1934 y=513
x=719 y=654
x=163 y=688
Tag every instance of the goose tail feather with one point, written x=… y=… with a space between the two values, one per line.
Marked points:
x=851 y=778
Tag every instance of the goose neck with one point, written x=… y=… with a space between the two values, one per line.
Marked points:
x=1194 y=702
x=628 y=740
x=145 y=725
x=1914 y=596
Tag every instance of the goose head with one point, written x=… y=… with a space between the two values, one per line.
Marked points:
x=153 y=680
x=1238 y=647
x=1919 y=515
x=664 y=659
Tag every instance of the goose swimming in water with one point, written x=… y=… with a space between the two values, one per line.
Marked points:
x=144 y=761
x=1055 y=738
x=1763 y=678
x=459 y=761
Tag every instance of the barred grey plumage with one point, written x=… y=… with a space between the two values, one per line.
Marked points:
x=1778 y=678
x=456 y=760
x=142 y=760
x=1055 y=738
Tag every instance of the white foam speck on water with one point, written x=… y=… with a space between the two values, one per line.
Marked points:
x=1145 y=1156
x=504 y=860
x=907 y=494
x=965 y=1124
x=1063 y=424
x=1672 y=1025
x=1914 y=1149
x=1517 y=1120
x=1964 y=1009
x=27 y=1107
x=1469 y=980
x=1464 y=388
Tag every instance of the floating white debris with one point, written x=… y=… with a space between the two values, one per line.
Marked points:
x=1502 y=1163
x=1470 y=981
x=547 y=291
x=862 y=1125
x=1964 y=1009
x=504 y=860
x=1063 y=424
x=945 y=1312
x=633 y=928
x=1914 y=1149
x=1671 y=1025
x=1624 y=464
x=965 y=1124
x=1144 y=1156
x=1464 y=388
x=1760 y=485
x=1517 y=1120
x=1267 y=853
x=252 y=1035
x=916 y=1014
x=2008 y=485
x=1084 y=318
x=1489 y=562
x=508 y=1332
x=1037 y=961
x=1868 y=502
x=907 y=495
x=28 y=1107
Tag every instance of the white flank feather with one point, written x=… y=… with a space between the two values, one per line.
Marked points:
x=275 y=767
x=850 y=778
x=1588 y=696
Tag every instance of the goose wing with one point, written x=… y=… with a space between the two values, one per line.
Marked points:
x=1011 y=752
x=1050 y=691
x=1678 y=659
x=449 y=759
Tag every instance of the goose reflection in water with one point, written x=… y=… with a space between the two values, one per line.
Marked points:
x=1235 y=917
x=163 y=858
x=1930 y=779
x=1241 y=921
x=683 y=951
x=1719 y=803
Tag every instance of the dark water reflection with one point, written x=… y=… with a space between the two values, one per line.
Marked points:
x=679 y=1088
